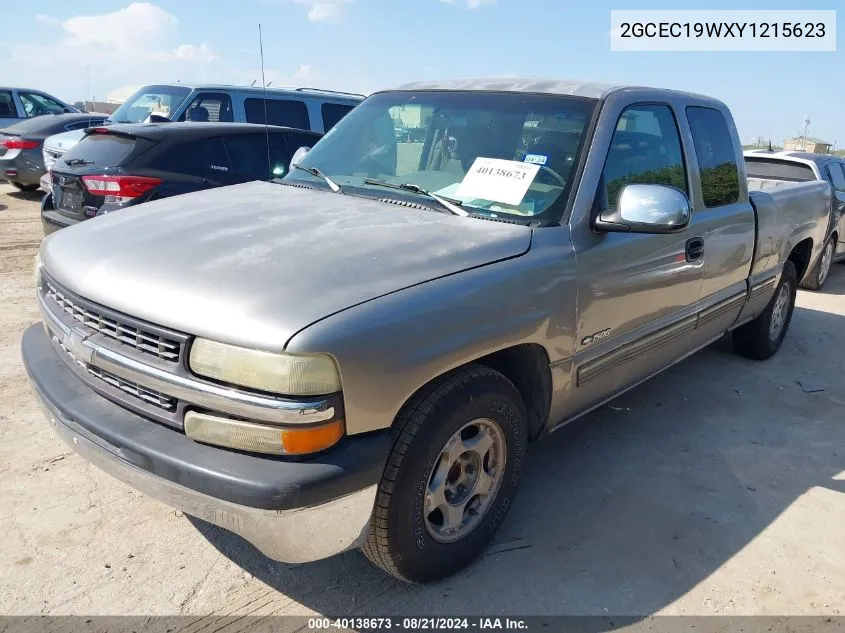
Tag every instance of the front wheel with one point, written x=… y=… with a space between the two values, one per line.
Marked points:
x=762 y=337
x=816 y=277
x=451 y=476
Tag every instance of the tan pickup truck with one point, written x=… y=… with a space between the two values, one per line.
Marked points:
x=358 y=355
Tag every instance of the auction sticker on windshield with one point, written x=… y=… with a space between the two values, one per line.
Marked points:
x=499 y=180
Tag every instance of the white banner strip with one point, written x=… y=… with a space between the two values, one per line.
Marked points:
x=738 y=31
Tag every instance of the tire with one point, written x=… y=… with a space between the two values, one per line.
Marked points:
x=22 y=187
x=814 y=280
x=757 y=339
x=411 y=540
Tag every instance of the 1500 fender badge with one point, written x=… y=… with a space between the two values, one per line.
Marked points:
x=593 y=338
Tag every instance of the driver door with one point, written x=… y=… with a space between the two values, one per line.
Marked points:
x=637 y=293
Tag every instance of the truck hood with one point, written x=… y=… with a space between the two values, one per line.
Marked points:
x=64 y=141
x=253 y=264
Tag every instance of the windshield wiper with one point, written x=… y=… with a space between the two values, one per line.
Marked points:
x=78 y=161
x=316 y=172
x=450 y=204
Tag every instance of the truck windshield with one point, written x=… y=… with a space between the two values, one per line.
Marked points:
x=495 y=153
x=163 y=100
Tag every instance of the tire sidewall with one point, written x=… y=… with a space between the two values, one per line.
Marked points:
x=414 y=548
x=788 y=277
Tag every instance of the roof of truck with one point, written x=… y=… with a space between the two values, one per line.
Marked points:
x=593 y=90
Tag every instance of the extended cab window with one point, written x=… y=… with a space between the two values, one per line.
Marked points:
x=284 y=112
x=837 y=177
x=714 y=149
x=645 y=149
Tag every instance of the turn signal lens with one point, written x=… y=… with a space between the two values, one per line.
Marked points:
x=261 y=438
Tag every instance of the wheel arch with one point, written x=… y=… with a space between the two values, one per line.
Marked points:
x=526 y=365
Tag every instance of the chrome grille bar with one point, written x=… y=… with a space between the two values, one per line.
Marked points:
x=148 y=395
x=163 y=348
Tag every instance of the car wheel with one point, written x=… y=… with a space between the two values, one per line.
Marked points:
x=23 y=187
x=818 y=275
x=762 y=337
x=451 y=476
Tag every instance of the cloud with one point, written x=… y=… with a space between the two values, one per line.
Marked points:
x=127 y=43
x=46 y=19
x=471 y=4
x=187 y=52
x=324 y=10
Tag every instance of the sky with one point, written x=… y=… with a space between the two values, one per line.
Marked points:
x=88 y=48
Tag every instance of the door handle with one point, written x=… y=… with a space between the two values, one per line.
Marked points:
x=695 y=249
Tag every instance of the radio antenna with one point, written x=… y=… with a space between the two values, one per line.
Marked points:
x=264 y=90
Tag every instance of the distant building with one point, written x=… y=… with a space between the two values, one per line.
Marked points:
x=99 y=107
x=809 y=144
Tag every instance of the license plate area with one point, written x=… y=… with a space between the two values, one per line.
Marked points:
x=68 y=199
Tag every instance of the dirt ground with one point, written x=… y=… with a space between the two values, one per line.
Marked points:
x=716 y=488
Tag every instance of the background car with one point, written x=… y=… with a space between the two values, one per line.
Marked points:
x=118 y=166
x=21 y=158
x=17 y=104
x=312 y=109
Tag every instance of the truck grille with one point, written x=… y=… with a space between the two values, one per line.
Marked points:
x=147 y=395
x=142 y=340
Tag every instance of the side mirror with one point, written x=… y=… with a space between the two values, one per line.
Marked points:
x=646 y=209
x=298 y=155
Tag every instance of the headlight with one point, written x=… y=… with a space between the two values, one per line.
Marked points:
x=36 y=271
x=288 y=374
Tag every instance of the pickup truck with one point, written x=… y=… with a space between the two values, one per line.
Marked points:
x=358 y=354
x=774 y=170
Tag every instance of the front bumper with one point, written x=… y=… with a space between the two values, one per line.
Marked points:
x=291 y=511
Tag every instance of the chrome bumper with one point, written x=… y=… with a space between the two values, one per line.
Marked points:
x=293 y=536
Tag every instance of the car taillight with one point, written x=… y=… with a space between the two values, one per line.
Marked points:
x=120 y=186
x=19 y=143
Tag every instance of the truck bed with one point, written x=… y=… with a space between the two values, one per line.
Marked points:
x=787 y=214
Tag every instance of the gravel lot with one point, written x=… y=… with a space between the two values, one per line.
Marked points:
x=716 y=488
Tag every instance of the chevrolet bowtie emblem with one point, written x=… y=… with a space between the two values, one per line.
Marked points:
x=74 y=341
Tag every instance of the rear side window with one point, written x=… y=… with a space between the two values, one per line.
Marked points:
x=35 y=104
x=283 y=112
x=209 y=106
x=716 y=157
x=772 y=169
x=837 y=176
x=249 y=156
x=7 y=105
x=184 y=158
x=332 y=113
x=645 y=149
x=295 y=141
x=215 y=160
x=104 y=150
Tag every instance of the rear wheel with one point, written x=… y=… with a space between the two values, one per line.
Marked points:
x=762 y=337
x=23 y=187
x=451 y=476
x=816 y=277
